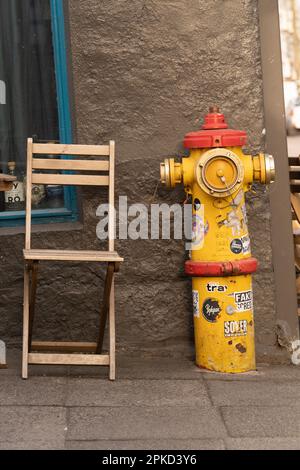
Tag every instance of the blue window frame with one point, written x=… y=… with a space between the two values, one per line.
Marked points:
x=68 y=213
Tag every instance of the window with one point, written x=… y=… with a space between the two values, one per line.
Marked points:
x=34 y=102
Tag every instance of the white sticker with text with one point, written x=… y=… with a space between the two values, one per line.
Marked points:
x=235 y=328
x=196 y=309
x=243 y=300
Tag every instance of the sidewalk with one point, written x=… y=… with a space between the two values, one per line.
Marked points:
x=155 y=404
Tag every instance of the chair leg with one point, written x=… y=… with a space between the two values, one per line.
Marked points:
x=25 y=324
x=33 y=286
x=112 y=334
x=105 y=305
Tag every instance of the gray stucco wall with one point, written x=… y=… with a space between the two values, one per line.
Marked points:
x=145 y=73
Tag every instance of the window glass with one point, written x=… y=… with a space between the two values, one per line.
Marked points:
x=28 y=97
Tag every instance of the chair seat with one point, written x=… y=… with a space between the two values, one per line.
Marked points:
x=66 y=255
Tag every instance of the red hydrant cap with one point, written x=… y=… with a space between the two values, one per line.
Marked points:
x=215 y=133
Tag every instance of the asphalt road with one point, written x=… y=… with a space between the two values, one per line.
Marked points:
x=294 y=145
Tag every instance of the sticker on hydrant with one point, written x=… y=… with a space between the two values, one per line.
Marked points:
x=246 y=244
x=199 y=230
x=196 y=309
x=211 y=310
x=235 y=328
x=240 y=245
x=216 y=287
x=236 y=246
x=243 y=300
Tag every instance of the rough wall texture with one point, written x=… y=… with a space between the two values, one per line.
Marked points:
x=145 y=72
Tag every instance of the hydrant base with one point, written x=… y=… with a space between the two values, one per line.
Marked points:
x=224 y=324
x=204 y=369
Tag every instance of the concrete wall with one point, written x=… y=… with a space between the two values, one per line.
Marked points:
x=145 y=73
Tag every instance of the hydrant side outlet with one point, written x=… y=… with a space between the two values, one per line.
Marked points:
x=218 y=174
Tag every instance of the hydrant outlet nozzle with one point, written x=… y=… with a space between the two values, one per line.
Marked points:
x=270 y=169
x=170 y=173
x=264 y=168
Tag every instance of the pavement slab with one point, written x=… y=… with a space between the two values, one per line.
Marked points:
x=47 y=391
x=123 y=423
x=262 y=421
x=58 y=444
x=32 y=424
x=263 y=443
x=93 y=392
x=256 y=393
x=161 y=444
x=277 y=373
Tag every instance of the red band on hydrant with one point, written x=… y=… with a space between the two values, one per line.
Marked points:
x=218 y=269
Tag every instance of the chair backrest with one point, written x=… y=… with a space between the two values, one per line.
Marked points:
x=96 y=173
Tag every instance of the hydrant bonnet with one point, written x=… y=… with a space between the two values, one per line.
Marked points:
x=215 y=133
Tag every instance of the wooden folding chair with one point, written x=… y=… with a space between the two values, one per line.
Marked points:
x=78 y=353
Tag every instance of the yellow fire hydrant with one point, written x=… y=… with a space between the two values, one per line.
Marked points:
x=217 y=174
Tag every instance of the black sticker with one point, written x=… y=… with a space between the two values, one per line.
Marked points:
x=236 y=246
x=211 y=310
x=197 y=205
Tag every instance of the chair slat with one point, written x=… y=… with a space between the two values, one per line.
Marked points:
x=73 y=180
x=73 y=359
x=64 y=149
x=70 y=165
x=72 y=255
